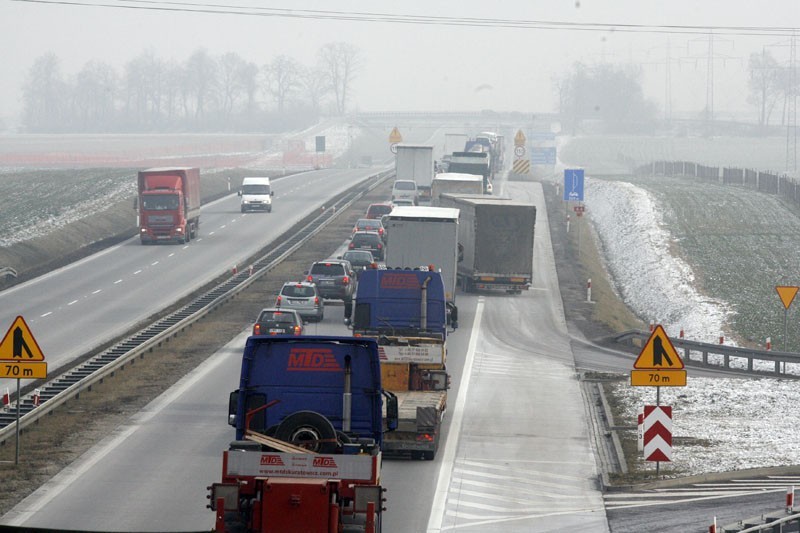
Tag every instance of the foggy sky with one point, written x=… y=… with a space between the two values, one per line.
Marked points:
x=418 y=67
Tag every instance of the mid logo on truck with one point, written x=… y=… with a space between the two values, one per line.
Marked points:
x=324 y=462
x=271 y=460
x=312 y=360
x=399 y=280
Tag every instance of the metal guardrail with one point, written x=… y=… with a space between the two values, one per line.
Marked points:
x=768 y=363
x=771 y=522
x=72 y=382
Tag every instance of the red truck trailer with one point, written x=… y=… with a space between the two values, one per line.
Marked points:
x=169 y=204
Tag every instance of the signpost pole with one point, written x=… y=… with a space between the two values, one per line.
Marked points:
x=658 y=403
x=16 y=450
x=785 y=326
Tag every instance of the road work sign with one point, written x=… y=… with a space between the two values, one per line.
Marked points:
x=658 y=364
x=20 y=355
x=395 y=136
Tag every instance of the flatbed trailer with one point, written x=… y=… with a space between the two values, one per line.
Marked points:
x=419 y=425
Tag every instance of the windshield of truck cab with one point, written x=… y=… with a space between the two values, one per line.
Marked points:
x=160 y=202
x=255 y=189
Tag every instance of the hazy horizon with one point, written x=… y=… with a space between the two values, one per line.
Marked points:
x=418 y=66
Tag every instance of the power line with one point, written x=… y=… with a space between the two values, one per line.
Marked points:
x=361 y=16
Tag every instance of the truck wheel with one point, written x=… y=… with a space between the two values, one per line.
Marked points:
x=310 y=430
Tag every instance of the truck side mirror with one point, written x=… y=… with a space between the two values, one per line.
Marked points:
x=233 y=402
x=239 y=192
x=392 y=411
x=272 y=193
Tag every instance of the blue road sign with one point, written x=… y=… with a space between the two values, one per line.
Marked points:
x=573 y=184
x=543 y=155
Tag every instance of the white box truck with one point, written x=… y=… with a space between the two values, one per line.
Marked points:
x=420 y=236
x=455 y=183
x=415 y=162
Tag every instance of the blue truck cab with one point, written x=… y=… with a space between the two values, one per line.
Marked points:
x=390 y=302
x=320 y=391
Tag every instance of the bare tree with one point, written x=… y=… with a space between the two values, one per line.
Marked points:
x=43 y=92
x=201 y=80
x=230 y=82
x=765 y=84
x=95 y=95
x=315 y=86
x=282 y=77
x=249 y=80
x=340 y=61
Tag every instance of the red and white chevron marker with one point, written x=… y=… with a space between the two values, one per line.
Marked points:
x=657 y=433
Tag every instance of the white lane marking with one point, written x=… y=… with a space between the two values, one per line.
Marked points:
x=98 y=290
x=46 y=314
x=211 y=233
x=137 y=272
x=185 y=247
x=153 y=264
x=170 y=255
x=62 y=481
x=118 y=281
x=448 y=459
x=73 y=302
x=222 y=226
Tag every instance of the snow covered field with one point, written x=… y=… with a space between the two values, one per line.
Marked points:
x=719 y=425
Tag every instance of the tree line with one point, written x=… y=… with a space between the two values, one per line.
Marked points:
x=203 y=93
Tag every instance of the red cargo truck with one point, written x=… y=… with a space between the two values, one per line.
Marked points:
x=169 y=204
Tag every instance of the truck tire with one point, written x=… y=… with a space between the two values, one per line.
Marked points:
x=310 y=430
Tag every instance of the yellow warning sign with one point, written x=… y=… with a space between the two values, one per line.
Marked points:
x=19 y=345
x=35 y=370
x=787 y=294
x=519 y=138
x=658 y=353
x=395 y=136
x=658 y=378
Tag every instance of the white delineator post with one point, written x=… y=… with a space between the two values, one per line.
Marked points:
x=769 y=343
x=589 y=290
x=36 y=396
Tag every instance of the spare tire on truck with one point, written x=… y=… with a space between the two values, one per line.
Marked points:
x=310 y=430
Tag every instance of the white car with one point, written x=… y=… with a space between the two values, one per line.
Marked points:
x=405 y=190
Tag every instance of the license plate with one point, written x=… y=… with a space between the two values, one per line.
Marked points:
x=326 y=282
x=277 y=330
x=366 y=247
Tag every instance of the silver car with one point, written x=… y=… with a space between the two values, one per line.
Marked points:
x=302 y=297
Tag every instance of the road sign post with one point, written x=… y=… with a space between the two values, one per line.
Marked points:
x=786 y=294
x=20 y=358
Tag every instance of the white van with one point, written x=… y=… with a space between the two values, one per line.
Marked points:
x=405 y=190
x=256 y=195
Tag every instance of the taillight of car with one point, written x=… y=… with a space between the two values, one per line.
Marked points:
x=309 y=278
x=345 y=280
x=380 y=231
x=351 y=245
x=316 y=300
x=297 y=330
x=257 y=329
x=380 y=246
x=278 y=301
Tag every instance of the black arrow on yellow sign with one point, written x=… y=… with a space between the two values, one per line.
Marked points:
x=19 y=344
x=658 y=353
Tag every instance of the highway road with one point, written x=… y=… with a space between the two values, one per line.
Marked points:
x=517 y=453
x=87 y=303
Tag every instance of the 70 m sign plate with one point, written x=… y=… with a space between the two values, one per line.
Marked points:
x=658 y=378
x=23 y=370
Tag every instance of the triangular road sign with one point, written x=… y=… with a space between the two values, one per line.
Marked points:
x=395 y=136
x=519 y=138
x=787 y=294
x=658 y=353
x=19 y=345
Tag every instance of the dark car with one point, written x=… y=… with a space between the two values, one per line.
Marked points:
x=378 y=210
x=368 y=240
x=302 y=297
x=360 y=259
x=335 y=279
x=274 y=321
x=369 y=224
